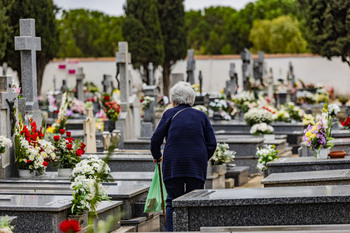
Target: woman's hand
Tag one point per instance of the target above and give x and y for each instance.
(159, 160)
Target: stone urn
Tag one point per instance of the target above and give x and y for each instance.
(322, 154)
(25, 173)
(219, 169)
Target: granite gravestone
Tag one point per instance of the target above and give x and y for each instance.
(107, 84)
(80, 76)
(28, 44)
(232, 84)
(246, 57)
(191, 66)
(292, 81)
(270, 85)
(8, 103)
(147, 125)
(150, 74)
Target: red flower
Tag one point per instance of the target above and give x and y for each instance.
(29, 161)
(69, 225)
(45, 163)
(56, 138)
(68, 133)
(92, 99)
(141, 100)
(41, 135)
(57, 111)
(70, 140)
(69, 146)
(82, 145)
(80, 152)
(107, 97)
(62, 131)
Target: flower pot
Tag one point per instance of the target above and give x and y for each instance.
(81, 219)
(64, 172)
(322, 153)
(219, 169)
(25, 173)
(337, 154)
(216, 116)
(269, 137)
(109, 125)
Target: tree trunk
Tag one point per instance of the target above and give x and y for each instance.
(41, 64)
(166, 77)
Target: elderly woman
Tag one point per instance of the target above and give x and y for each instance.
(190, 143)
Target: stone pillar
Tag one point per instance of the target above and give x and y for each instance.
(80, 85)
(246, 57)
(150, 74)
(191, 66)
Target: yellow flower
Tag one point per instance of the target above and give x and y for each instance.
(308, 134)
(314, 128)
(313, 136)
(50, 130)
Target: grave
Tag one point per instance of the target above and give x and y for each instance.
(147, 126)
(306, 164)
(246, 57)
(308, 178)
(232, 84)
(307, 205)
(28, 44)
(107, 84)
(238, 173)
(176, 77)
(44, 213)
(340, 144)
(191, 66)
(80, 76)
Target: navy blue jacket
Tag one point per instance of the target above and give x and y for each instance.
(190, 143)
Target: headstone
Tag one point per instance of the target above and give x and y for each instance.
(150, 74)
(232, 84)
(107, 84)
(191, 66)
(176, 77)
(90, 132)
(147, 126)
(64, 87)
(8, 103)
(80, 85)
(270, 91)
(246, 57)
(200, 79)
(28, 44)
(292, 81)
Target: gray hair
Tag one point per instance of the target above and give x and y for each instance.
(182, 93)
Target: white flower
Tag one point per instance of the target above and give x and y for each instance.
(333, 109)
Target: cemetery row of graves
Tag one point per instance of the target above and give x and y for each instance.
(81, 161)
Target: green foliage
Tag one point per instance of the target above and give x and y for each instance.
(280, 35)
(5, 26)
(141, 29)
(85, 33)
(328, 24)
(43, 11)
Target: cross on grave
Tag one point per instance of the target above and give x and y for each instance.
(270, 92)
(150, 74)
(258, 67)
(28, 44)
(232, 84)
(80, 76)
(200, 78)
(123, 59)
(107, 84)
(191, 66)
(245, 56)
(8, 103)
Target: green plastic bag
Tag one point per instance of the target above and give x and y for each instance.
(154, 197)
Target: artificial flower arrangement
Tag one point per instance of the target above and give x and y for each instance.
(258, 115)
(294, 112)
(281, 115)
(218, 105)
(90, 87)
(4, 143)
(5, 225)
(346, 123)
(146, 102)
(52, 103)
(322, 96)
(33, 152)
(244, 100)
(110, 107)
(222, 154)
(308, 119)
(77, 106)
(87, 178)
(60, 123)
(319, 136)
(266, 154)
(225, 116)
(162, 101)
(261, 129)
(68, 150)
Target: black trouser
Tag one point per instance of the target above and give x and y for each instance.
(175, 188)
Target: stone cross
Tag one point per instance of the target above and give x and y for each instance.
(54, 84)
(123, 59)
(64, 87)
(258, 67)
(28, 44)
(4, 68)
(80, 76)
(150, 74)
(107, 84)
(200, 78)
(191, 66)
(246, 56)
(292, 81)
(232, 84)
(270, 86)
(90, 131)
(8, 103)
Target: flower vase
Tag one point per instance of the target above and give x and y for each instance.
(219, 169)
(322, 153)
(25, 173)
(109, 125)
(216, 116)
(81, 219)
(269, 137)
(64, 172)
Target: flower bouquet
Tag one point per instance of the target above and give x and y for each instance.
(346, 123)
(68, 150)
(146, 102)
(4, 143)
(258, 115)
(87, 178)
(77, 106)
(162, 101)
(243, 100)
(222, 154)
(261, 129)
(281, 115)
(266, 154)
(218, 105)
(110, 107)
(294, 112)
(33, 153)
(60, 123)
(308, 119)
(201, 108)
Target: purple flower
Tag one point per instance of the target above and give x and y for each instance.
(69, 113)
(305, 138)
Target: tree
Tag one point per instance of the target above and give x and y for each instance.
(5, 27)
(280, 35)
(85, 33)
(172, 20)
(43, 11)
(328, 24)
(141, 29)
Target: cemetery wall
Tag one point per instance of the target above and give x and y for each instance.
(215, 70)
